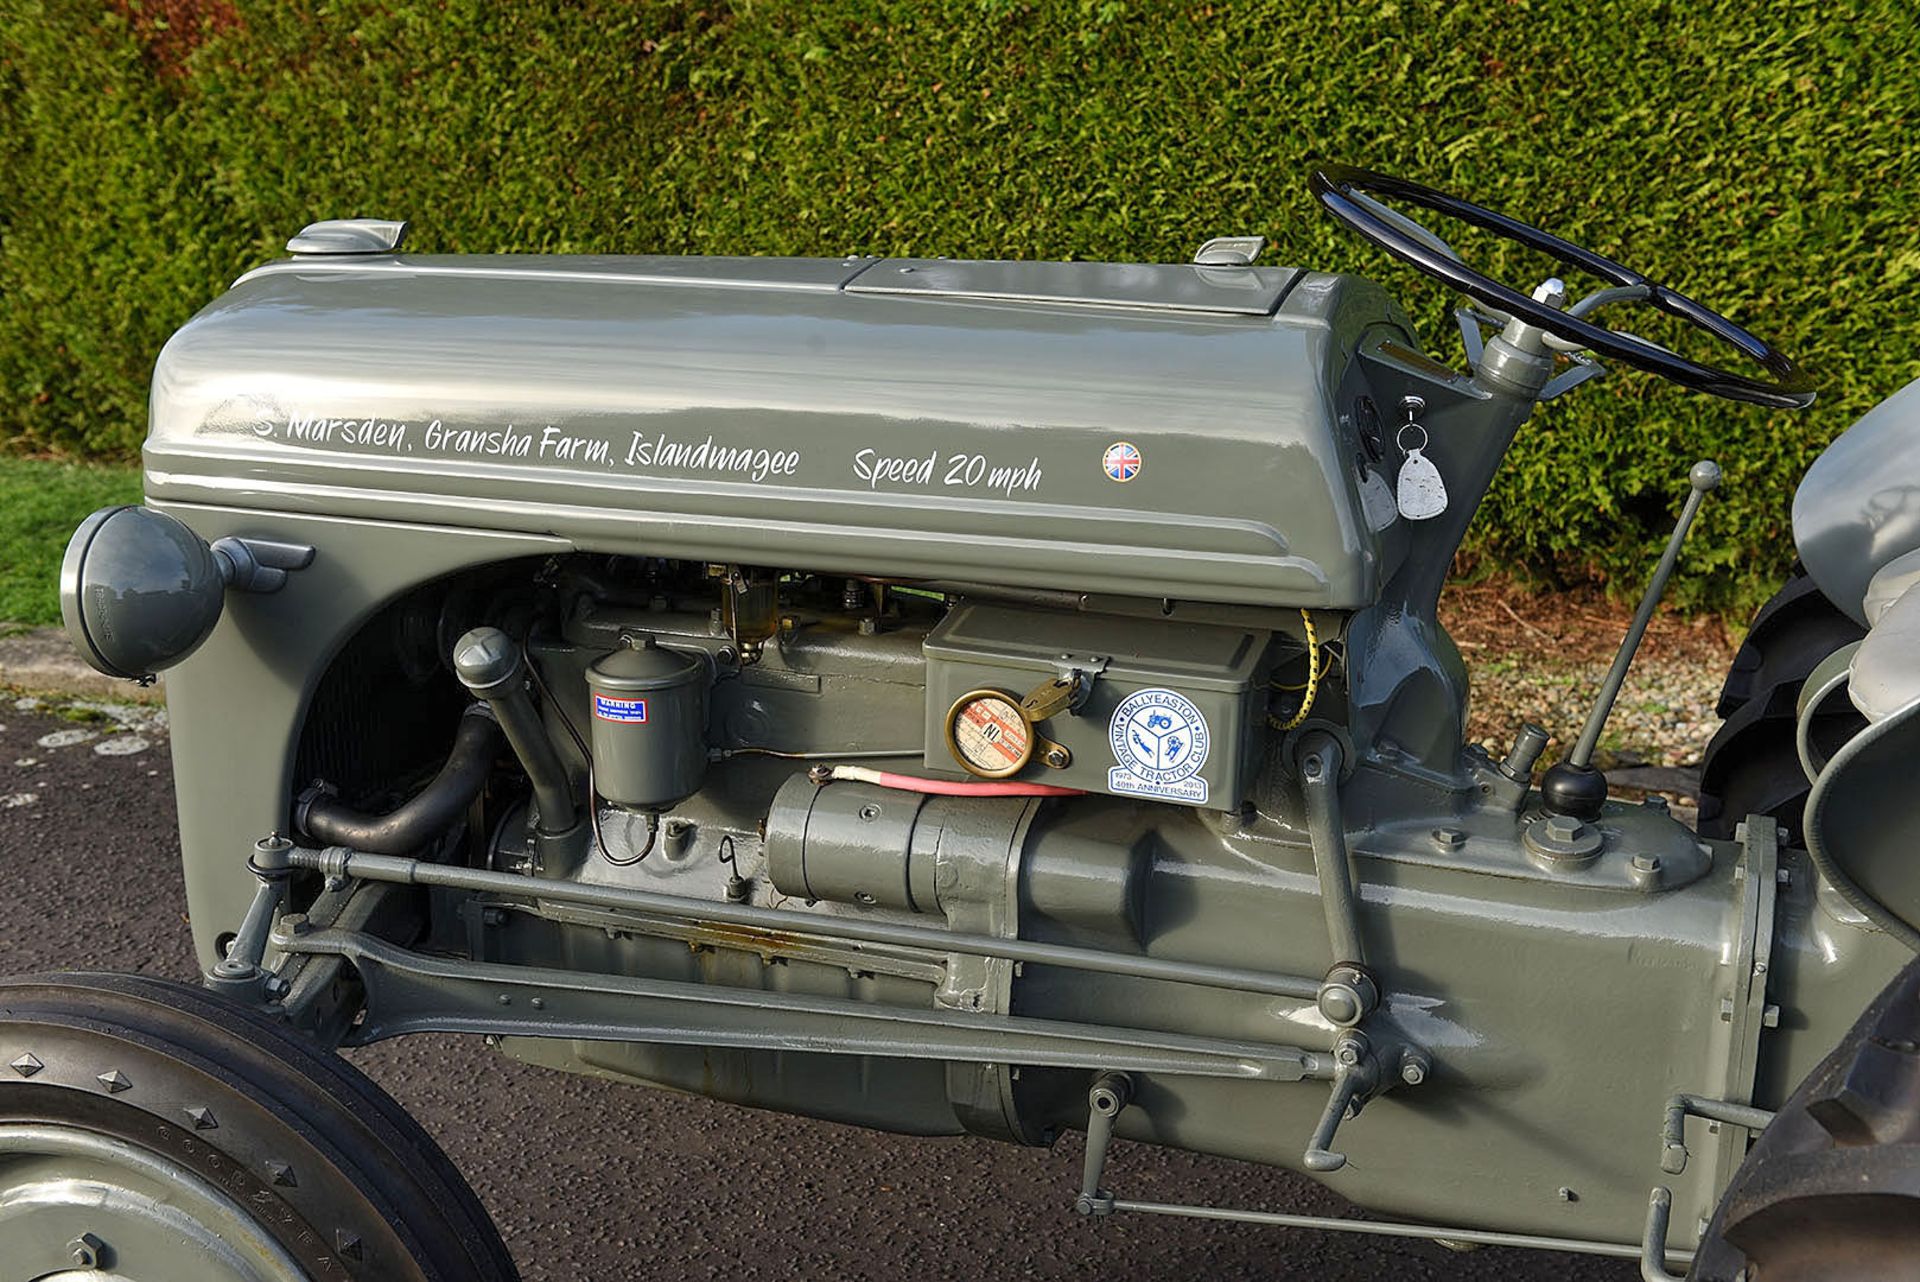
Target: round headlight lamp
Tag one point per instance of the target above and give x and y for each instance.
(139, 591)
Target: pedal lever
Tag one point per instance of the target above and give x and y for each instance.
(1356, 1073)
(1111, 1093)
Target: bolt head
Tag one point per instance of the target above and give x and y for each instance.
(1646, 863)
(1565, 827)
(1347, 1053)
(86, 1250)
(1412, 1073)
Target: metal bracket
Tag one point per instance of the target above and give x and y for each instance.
(1472, 337)
(1745, 1013)
(259, 565)
(1583, 368)
(1744, 1009)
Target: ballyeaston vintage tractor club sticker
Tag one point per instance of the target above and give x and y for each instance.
(1160, 740)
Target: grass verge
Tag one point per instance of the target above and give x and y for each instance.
(40, 503)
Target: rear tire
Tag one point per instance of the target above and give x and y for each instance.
(155, 1130)
(1832, 1187)
(1752, 765)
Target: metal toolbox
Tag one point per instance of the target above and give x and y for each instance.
(1164, 711)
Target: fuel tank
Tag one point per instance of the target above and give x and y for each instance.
(1157, 430)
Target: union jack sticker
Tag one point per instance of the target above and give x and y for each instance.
(1121, 461)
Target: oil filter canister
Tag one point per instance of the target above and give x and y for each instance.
(649, 724)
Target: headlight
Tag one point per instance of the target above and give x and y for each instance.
(139, 591)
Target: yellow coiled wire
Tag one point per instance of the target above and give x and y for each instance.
(1312, 686)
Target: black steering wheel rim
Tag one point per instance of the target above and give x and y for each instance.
(1336, 185)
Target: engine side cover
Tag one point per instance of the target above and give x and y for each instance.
(1156, 430)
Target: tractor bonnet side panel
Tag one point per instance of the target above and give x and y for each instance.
(1150, 430)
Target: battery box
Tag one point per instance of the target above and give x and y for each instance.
(1171, 711)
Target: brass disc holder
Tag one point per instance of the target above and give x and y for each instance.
(1054, 696)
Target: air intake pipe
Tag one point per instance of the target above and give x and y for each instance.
(493, 668)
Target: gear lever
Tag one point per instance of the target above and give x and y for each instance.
(1573, 786)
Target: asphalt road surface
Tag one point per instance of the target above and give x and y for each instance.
(589, 1179)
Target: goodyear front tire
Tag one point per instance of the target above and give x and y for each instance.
(154, 1130)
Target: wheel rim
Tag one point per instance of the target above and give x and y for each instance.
(76, 1204)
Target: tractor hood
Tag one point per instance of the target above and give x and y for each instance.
(1157, 430)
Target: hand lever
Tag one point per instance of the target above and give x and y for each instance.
(1574, 787)
(1355, 1075)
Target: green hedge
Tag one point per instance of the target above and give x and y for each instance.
(1760, 157)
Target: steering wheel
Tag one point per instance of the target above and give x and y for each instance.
(1347, 193)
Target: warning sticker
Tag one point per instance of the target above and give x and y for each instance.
(608, 708)
(1160, 740)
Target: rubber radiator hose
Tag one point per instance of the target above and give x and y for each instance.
(424, 816)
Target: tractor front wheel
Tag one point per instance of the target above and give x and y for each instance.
(157, 1131)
